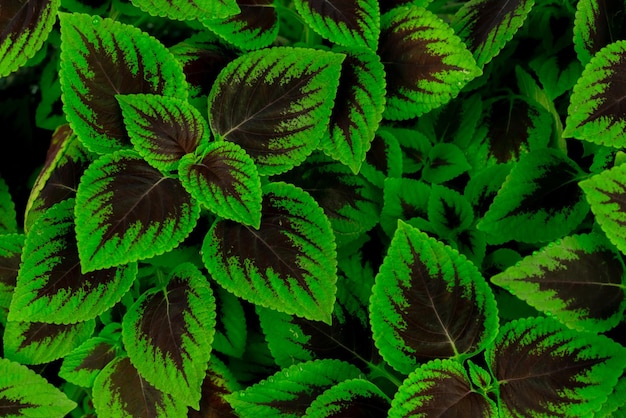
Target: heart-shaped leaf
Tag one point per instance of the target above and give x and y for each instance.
(188, 9)
(350, 398)
(101, 58)
(276, 104)
(429, 302)
(289, 264)
(129, 211)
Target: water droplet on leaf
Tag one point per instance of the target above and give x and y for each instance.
(96, 20)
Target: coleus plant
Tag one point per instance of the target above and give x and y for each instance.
(315, 208)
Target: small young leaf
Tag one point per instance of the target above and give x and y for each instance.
(350, 398)
(426, 64)
(8, 216)
(596, 110)
(126, 210)
(444, 162)
(162, 129)
(82, 365)
(276, 104)
(383, 160)
(225, 180)
(10, 258)
(24, 393)
(597, 24)
(544, 369)
(440, 388)
(101, 58)
(405, 199)
(288, 264)
(448, 211)
(428, 302)
(188, 9)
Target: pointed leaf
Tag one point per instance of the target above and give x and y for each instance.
(539, 201)
(351, 398)
(429, 302)
(544, 369)
(445, 162)
(597, 24)
(448, 211)
(224, 179)
(275, 103)
(24, 28)
(8, 216)
(348, 23)
(10, 257)
(101, 58)
(188, 9)
(440, 388)
(162, 129)
(129, 211)
(24, 393)
(404, 199)
(82, 365)
(120, 391)
(487, 25)
(426, 64)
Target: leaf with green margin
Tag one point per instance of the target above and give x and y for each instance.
(10, 258)
(162, 129)
(276, 104)
(126, 210)
(225, 180)
(120, 391)
(426, 64)
(405, 199)
(429, 302)
(578, 280)
(188, 9)
(606, 193)
(479, 376)
(555, 81)
(358, 108)
(415, 146)
(540, 200)
(444, 162)
(383, 160)
(545, 369)
(254, 27)
(8, 215)
(349, 23)
(597, 24)
(289, 392)
(350, 398)
(486, 26)
(449, 212)
(50, 286)
(84, 363)
(101, 58)
(440, 388)
(24, 393)
(173, 358)
(230, 329)
(218, 382)
(615, 405)
(596, 111)
(38, 342)
(288, 264)
(24, 28)
(483, 187)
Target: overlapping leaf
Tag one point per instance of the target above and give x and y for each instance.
(188, 9)
(25, 393)
(487, 25)
(24, 27)
(224, 179)
(129, 211)
(448, 211)
(426, 64)
(101, 58)
(348, 23)
(231, 328)
(8, 216)
(383, 160)
(597, 24)
(444, 162)
(217, 383)
(597, 110)
(404, 199)
(350, 398)
(50, 286)
(82, 365)
(544, 369)
(10, 257)
(288, 264)
(440, 388)
(168, 333)
(429, 302)
(276, 104)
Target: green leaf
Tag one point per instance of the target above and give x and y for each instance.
(224, 179)
(429, 302)
(579, 280)
(350, 398)
(8, 216)
(444, 162)
(348, 23)
(10, 257)
(544, 369)
(50, 286)
(276, 104)
(120, 391)
(217, 383)
(484, 186)
(102, 58)
(448, 211)
(162, 129)
(286, 339)
(539, 201)
(486, 26)
(38, 342)
(383, 160)
(83, 364)
(188, 9)
(231, 328)
(288, 264)
(426, 64)
(24, 393)
(596, 105)
(597, 24)
(24, 28)
(404, 199)
(126, 210)
(440, 388)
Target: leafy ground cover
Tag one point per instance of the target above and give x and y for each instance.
(312, 208)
